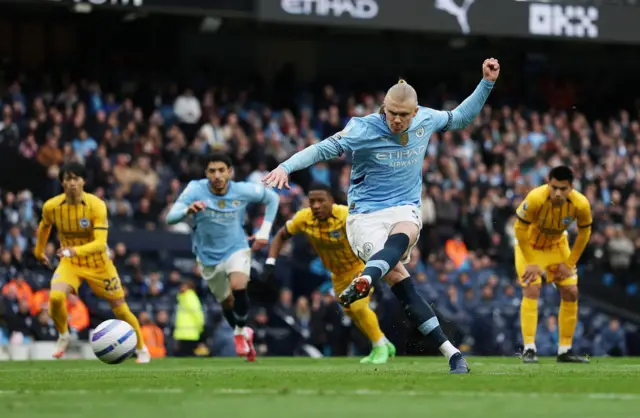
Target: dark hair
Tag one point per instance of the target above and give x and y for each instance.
(76, 169)
(322, 187)
(219, 157)
(561, 173)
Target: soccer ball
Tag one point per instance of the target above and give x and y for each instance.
(113, 341)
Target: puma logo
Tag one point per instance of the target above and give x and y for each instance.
(459, 12)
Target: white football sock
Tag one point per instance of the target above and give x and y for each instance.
(381, 342)
(563, 349)
(530, 347)
(448, 350)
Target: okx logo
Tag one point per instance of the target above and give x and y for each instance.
(569, 21)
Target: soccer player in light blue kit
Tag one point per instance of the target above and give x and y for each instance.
(384, 219)
(219, 241)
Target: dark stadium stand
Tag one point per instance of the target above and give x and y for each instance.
(142, 139)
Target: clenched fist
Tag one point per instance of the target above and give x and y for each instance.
(490, 69)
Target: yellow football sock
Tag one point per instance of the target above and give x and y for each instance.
(529, 320)
(567, 320)
(366, 320)
(58, 310)
(123, 313)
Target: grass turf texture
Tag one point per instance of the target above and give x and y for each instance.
(328, 388)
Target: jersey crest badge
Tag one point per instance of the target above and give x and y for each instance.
(335, 234)
(221, 204)
(404, 139)
(420, 132)
(235, 203)
(567, 220)
(84, 223)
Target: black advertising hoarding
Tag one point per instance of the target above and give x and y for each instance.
(197, 6)
(511, 18)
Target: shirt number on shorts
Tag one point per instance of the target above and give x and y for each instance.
(111, 284)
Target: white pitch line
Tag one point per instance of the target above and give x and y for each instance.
(333, 392)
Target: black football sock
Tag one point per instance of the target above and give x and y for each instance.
(384, 260)
(230, 317)
(418, 311)
(240, 307)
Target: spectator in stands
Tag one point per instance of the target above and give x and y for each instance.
(547, 337)
(78, 316)
(19, 321)
(39, 301)
(162, 321)
(153, 336)
(611, 341)
(189, 320)
(43, 328)
(473, 180)
(621, 251)
(18, 288)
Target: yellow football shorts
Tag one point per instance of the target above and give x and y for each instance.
(104, 282)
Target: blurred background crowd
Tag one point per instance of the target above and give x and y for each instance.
(143, 139)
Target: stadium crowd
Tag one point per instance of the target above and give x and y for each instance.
(139, 158)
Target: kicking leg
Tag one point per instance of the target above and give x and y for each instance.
(422, 315)
(396, 246)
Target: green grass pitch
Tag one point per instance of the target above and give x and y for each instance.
(327, 388)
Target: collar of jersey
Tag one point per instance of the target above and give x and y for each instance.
(83, 200)
(219, 196)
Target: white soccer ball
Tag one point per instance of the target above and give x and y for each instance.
(113, 341)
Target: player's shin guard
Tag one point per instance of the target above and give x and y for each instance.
(58, 311)
(240, 307)
(567, 320)
(529, 322)
(123, 313)
(381, 262)
(420, 313)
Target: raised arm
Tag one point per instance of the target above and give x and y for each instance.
(466, 112)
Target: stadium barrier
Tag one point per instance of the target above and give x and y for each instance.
(43, 350)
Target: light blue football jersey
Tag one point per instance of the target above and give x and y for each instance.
(218, 231)
(387, 168)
